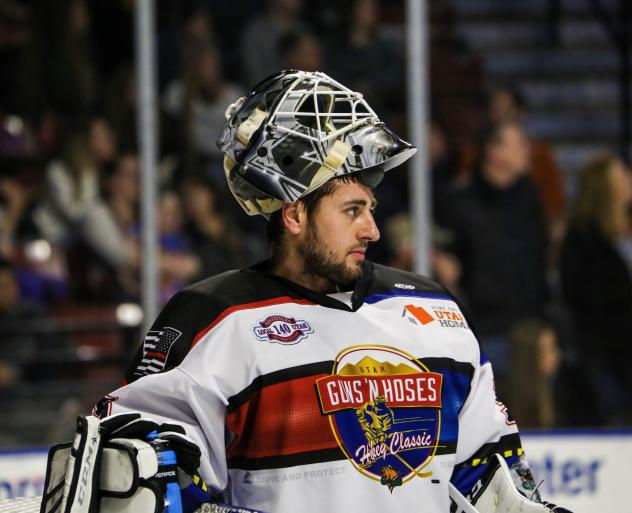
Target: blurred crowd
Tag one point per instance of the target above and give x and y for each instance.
(546, 278)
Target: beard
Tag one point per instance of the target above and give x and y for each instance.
(321, 262)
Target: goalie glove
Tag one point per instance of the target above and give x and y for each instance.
(121, 463)
(495, 492)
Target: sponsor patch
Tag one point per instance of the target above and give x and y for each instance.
(405, 286)
(444, 316)
(384, 409)
(282, 330)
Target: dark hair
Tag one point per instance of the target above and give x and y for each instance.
(275, 229)
(290, 41)
(489, 135)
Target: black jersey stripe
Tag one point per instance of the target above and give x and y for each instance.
(279, 376)
(291, 460)
(448, 364)
(509, 442)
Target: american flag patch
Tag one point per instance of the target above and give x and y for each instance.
(156, 347)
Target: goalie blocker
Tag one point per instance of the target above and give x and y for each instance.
(129, 464)
(123, 464)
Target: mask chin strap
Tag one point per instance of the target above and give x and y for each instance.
(234, 107)
(336, 156)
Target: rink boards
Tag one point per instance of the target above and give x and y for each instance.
(585, 471)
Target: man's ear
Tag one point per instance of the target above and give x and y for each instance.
(294, 217)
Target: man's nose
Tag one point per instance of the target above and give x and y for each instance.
(369, 231)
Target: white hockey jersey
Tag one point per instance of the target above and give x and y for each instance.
(303, 402)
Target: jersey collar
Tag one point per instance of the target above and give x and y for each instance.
(360, 287)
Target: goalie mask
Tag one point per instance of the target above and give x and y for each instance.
(297, 130)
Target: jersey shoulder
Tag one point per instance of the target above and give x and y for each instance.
(388, 279)
(225, 289)
(193, 312)
(233, 288)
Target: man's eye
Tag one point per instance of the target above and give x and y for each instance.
(353, 211)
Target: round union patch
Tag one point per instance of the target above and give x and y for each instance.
(281, 329)
(384, 409)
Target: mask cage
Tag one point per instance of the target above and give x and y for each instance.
(318, 102)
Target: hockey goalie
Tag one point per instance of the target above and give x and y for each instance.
(315, 381)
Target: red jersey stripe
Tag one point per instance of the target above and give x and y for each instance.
(280, 420)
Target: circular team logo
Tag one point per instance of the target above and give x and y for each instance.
(384, 409)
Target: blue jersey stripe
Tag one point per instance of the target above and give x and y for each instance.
(376, 298)
(455, 389)
(464, 478)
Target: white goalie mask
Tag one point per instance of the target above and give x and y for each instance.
(295, 131)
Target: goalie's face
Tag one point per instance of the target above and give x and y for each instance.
(333, 239)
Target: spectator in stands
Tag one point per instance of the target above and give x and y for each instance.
(399, 241)
(261, 38)
(507, 104)
(57, 70)
(121, 193)
(596, 271)
(213, 236)
(364, 59)
(444, 182)
(9, 294)
(196, 104)
(535, 360)
(197, 30)
(38, 267)
(9, 289)
(12, 204)
(120, 106)
(189, 28)
(72, 209)
(14, 312)
(301, 50)
(498, 234)
(178, 264)
(73, 178)
(121, 187)
(443, 167)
